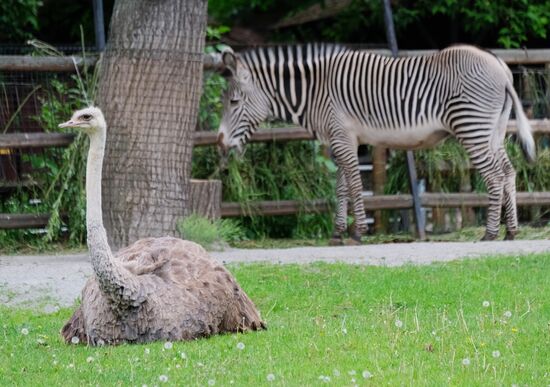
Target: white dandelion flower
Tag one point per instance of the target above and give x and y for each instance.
(75, 340)
(344, 331)
(324, 378)
(496, 353)
(24, 331)
(89, 359)
(466, 362)
(351, 373)
(486, 304)
(398, 323)
(240, 346)
(163, 378)
(336, 373)
(178, 366)
(147, 351)
(41, 341)
(168, 345)
(507, 314)
(183, 355)
(55, 362)
(211, 382)
(367, 374)
(270, 377)
(71, 365)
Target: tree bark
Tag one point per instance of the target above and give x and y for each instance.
(149, 90)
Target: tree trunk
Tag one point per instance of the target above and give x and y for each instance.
(150, 85)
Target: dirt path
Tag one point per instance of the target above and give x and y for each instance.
(53, 281)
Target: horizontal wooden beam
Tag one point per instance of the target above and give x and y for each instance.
(213, 61)
(44, 63)
(288, 207)
(13, 221)
(381, 202)
(298, 133)
(35, 140)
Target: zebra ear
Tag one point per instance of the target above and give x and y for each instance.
(230, 60)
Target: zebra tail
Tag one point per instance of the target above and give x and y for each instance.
(524, 128)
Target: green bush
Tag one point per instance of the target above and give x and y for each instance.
(210, 234)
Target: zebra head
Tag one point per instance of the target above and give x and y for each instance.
(245, 105)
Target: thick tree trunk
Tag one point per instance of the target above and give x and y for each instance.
(150, 85)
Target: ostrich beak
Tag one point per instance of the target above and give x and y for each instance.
(68, 124)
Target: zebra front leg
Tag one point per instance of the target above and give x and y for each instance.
(345, 154)
(340, 220)
(510, 208)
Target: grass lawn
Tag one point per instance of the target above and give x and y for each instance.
(476, 322)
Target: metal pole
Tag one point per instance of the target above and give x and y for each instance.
(99, 26)
(419, 218)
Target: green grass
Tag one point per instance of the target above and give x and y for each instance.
(328, 320)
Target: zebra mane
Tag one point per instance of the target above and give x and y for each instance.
(250, 54)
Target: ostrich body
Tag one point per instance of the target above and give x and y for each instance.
(157, 288)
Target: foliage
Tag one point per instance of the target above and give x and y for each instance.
(210, 234)
(435, 23)
(473, 322)
(17, 17)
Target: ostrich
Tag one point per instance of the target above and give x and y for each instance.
(157, 288)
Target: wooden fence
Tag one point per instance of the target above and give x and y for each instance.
(230, 209)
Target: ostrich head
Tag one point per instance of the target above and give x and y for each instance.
(89, 119)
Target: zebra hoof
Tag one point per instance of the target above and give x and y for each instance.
(355, 240)
(510, 235)
(336, 241)
(489, 237)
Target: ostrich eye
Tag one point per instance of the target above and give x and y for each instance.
(86, 117)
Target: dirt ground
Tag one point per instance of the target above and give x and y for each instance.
(48, 282)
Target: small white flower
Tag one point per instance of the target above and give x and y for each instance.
(55, 362)
(24, 331)
(367, 374)
(507, 314)
(144, 385)
(351, 373)
(71, 365)
(41, 341)
(183, 355)
(89, 359)
(353, 380)
(486, 304)
(168, 345)
(336, 373)
(344, 331)
(240, 346)
(211, 382)
(496, 353)
(398, 323)
(465, 361)
(178, 366)
(147, 351)
(324, 379)
(270, 377)
(75, 340)
(163, 378)
(199, 364)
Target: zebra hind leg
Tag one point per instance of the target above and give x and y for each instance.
(488, 165)
(340, 220)
(510, 208)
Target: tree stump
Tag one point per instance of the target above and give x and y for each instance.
(205, 198)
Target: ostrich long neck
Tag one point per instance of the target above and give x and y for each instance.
(115, 282)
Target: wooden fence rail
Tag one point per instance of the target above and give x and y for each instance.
(288, 207)
(213, 61)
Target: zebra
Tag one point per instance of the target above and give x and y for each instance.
(347, 97)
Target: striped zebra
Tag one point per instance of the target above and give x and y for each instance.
(349, 97)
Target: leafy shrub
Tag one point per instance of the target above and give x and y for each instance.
(210, 234)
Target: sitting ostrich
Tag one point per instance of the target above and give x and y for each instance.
(155, 289)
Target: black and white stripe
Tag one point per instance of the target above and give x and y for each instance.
(347, 97)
